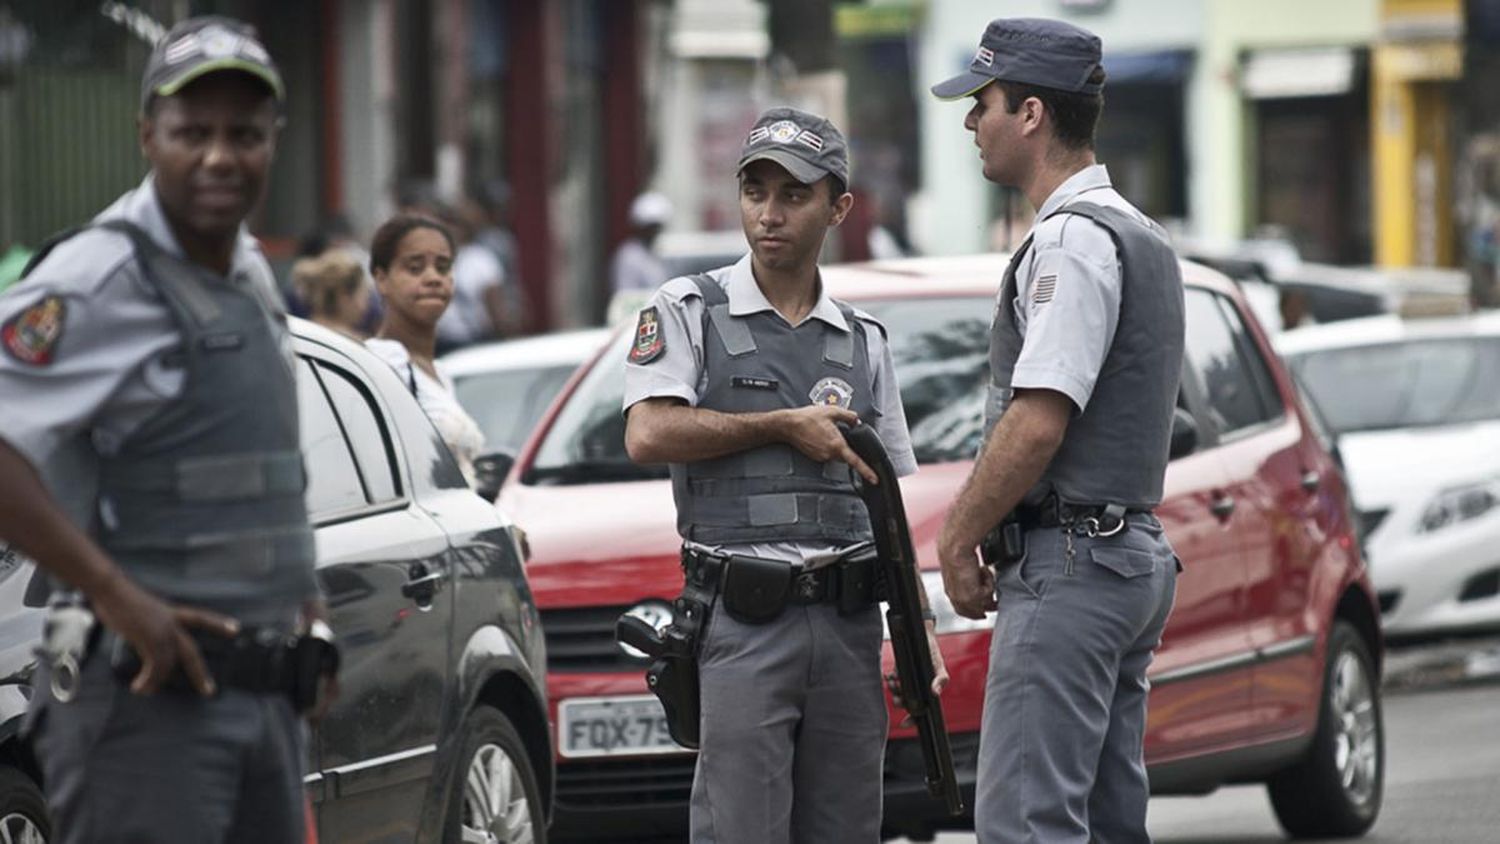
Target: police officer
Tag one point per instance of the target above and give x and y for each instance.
(739, 379)
(149, 460)
(1085, 354)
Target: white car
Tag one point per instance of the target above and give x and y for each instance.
(1415, 407)
(507, 386)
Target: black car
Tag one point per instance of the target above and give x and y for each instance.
(440, 729)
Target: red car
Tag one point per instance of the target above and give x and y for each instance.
(1269, 669)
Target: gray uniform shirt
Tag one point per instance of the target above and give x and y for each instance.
(678, 373)
(1067, 302)
(112, 365)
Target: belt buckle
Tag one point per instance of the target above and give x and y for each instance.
(807, 585)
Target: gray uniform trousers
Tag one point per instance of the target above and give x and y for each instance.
(171, 767)
(1061, 741)
(793, 729)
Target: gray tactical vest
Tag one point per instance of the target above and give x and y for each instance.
(774, 493)
(1115, 452)
(203, 504)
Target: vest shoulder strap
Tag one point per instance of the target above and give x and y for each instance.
(733, 333)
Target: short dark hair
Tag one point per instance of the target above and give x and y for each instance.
(1075, 116)
(836, 188)
(388, 237)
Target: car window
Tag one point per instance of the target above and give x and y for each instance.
(939, 346)
(332, 480)
(366, 431)
(1216, 356)
(1254, 361)
(1445, 381)
(508, 404)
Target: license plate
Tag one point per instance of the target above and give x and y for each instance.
(613, 726)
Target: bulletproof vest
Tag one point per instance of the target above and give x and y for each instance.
(758, 363)
(1115, 452)
(203, 503)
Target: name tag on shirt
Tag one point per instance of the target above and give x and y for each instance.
(750, 383)
(221, 342)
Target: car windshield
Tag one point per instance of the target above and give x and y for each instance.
(1404, 385)
(939, 346)
(507, 404)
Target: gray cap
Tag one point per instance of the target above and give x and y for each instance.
(203, 45)
(1033, 51)
(808, 146)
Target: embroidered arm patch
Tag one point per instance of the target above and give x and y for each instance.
(649, 344)
(1045, 289)
(31, 336)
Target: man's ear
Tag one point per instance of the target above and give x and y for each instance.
(144, 126)
(841, 208)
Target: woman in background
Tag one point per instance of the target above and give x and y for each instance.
(411, 258)
(334, 288)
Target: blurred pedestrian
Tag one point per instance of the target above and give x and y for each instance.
(150, 460)
(477, 312)
(1085, 352)
(635, 270)
(335, 289)
(411, 258)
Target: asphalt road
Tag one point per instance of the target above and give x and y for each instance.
(1442, 770)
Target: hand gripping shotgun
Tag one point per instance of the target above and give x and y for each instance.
(903, 615)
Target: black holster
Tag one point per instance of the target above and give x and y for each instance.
(1005, 544)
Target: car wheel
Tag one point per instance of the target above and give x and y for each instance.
(496, 799)
(1336, 790)
(23, 810)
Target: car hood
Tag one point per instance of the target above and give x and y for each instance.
(1388, 467)
(618, 543)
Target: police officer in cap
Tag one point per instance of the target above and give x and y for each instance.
(150, 461)
(739, 379)
(1085, 355)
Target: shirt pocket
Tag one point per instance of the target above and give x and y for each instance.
(1125, 562)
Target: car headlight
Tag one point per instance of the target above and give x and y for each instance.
(1461, 504)
(948, 619)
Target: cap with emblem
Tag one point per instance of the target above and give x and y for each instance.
(1033, 51)
(808, 146)
(203, 45)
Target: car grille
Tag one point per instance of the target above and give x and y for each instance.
(1369, 520)
(583, 639)
(1486, 584)
(628, 782)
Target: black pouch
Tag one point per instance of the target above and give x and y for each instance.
(856, 583)
(755, 591)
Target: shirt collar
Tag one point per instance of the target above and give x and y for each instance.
(1089, 178)
(746, 297)
(142, 207)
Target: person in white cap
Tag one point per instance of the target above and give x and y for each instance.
(635, 266)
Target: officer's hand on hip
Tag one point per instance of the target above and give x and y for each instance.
(814, 431)
(158, 632)
(970, 585)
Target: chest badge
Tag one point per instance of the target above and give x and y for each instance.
(31, 336)
(832, 391)
(648, 344)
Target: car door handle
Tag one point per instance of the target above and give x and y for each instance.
(423, 586)
(1222, 506)
(1310, 481)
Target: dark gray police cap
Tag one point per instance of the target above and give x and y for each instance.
(1034, 51)
(808, 146)
(203, 45)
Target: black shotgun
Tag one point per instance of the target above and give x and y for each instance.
(903, 615)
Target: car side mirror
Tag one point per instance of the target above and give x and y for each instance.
(490, 471)
(1184, 434)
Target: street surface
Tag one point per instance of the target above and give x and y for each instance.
(1442, 718)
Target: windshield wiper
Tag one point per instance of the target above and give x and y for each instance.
(593, 471)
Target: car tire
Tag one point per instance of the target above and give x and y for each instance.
(23, 810)
(1335, 791)
(495, 793)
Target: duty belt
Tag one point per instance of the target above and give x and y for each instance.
(827, 584)
(1088, 519)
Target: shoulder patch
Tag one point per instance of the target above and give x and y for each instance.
(31, 336)
(649, 343)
